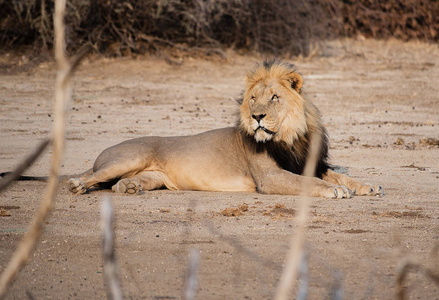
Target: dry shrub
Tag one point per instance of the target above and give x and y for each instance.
(403, 19)
(126, 27)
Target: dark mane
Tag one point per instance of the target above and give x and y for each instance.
(269, 63)
(291, 159)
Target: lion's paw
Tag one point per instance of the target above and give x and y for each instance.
(341, 192)
(337, 192)
(370, 190)
(77, 186)
(127, 186)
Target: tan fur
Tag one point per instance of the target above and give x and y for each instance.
(273, 110)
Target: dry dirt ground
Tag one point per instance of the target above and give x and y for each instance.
(379, 101)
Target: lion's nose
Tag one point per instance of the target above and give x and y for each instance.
(258, 117)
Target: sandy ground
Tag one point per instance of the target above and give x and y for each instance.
(378, 100)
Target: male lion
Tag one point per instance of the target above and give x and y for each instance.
(266, 152)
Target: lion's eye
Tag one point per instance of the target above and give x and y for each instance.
(253, 98)
(275, 97)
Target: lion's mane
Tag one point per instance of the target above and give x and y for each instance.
(290, 147)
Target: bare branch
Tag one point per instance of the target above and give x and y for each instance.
(336, 291)
(191, 280)
(14, 175)
(111, 272)
(302, 293)
(62, 97)
(234, 242)
(402, 272)
(295, 252)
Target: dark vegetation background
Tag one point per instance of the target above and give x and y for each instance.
(130, 27)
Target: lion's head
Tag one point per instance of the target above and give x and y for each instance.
(276, 115)
(273, 108)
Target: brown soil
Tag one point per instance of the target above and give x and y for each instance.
(380, 103)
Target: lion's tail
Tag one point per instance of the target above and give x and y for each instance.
(43, 178)
(23, 178)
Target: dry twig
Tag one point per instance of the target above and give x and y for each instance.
(302, 292)
(114, 290)
(295, 253)
(27, 162)
(336, 291)
(191, 280)
(62, 96)
(403, 271)
(235, 243)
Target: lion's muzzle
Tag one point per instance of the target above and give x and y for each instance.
(266, 130)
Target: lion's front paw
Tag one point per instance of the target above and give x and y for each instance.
(77, 186)
(341, 192)
(337, 192)
(370, 190)
(127, 186)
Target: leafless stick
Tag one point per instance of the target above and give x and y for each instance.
(234, 242)
(43, 26)
(404, 269)
(114, 290)
(336, 291)
(295, 252)
(14, 175)
(62, 96)
(75, 60)
(191, 280)
(302, 293)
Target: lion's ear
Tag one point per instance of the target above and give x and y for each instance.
(296, 81)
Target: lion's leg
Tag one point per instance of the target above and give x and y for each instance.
(287, 183)
(106, 173)
(146, 181)
(77, 185)
(357, 187)
(82, 184)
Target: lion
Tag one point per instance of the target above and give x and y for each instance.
(265, 152)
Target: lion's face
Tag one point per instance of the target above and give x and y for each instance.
(272, 107)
